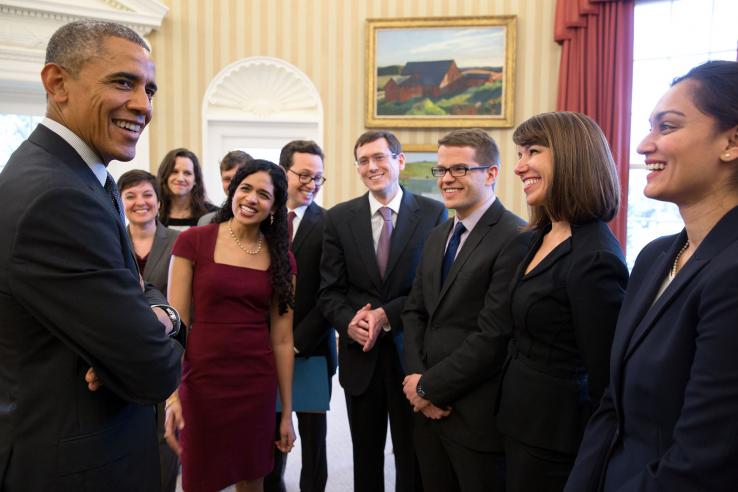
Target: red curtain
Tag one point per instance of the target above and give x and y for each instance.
(596, 37)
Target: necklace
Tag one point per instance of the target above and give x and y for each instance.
(674, 271)
(240, 244)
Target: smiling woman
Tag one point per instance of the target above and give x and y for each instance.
(182, 190)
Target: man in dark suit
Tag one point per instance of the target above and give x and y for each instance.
(313, 335)
(371, 248)
(453, 353)
(70, 292)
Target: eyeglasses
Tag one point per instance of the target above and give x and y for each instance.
(306, 178)
(378, 158)
(456, 171)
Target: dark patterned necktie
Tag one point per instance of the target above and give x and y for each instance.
(383, 245)
(112, 190)
(290, 224)
(453, 247)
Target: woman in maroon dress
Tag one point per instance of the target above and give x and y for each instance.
(236, 274)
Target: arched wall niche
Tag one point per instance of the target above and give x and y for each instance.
(257, 104)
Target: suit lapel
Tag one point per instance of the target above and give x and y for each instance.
(435, 252)
(360, 222)
(56, 145)
(309, 219)
(404, 229)
(157, 249)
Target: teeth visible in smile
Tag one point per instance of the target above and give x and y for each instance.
(376, 176)
(247, 210)
(656, 166)
(530, 181)
(451, 190)
(127, 125)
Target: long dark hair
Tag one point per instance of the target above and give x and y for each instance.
(275, 231)
(198, 202)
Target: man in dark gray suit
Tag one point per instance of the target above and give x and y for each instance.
(70, 293)
(371, 248)
(453, 353)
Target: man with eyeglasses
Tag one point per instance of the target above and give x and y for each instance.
(453, 354)
(371, 249)
(313, 335)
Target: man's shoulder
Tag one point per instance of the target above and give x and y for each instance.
(425, 203)
(347, 206)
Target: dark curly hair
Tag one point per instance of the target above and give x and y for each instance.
(275, 232)
(199, 205)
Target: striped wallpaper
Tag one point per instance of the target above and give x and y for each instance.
(325, 39)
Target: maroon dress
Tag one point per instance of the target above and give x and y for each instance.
(229, 379)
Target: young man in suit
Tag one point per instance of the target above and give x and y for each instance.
(371, 249)
(453, 353)
(70, 292)
(302, 161)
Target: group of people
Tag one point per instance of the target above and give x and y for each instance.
(504, 355)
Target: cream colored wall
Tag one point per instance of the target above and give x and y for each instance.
(325, 39)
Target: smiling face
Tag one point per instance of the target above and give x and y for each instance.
(140, 203)
(535, 169)
(108, 103)
(683, 150)
(253, 199)
(182, 178)
(381, 172)
(299, 194)
(464, 193)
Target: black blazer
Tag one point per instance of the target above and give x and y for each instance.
(450, 338)
(313, 334)
(350, 276)
(564, 313)
(156, 271)
(669, 419)
(70, 298)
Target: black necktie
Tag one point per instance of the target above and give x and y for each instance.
(291, 225)
(453, 247)
(112, 190)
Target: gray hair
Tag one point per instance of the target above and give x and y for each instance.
(73, 44)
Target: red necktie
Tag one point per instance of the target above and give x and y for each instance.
(290, 227)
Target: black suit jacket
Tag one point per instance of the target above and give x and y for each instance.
(313, 334)
(156, 271)
(564, 313)
(350, 276)
(70, 298)
(450, 337)
(668, 420)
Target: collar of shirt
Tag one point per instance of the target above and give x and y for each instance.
(394, 204)
(299, 214)
(85, 152)
(470, 222)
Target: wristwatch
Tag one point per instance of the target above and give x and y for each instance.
(173, 317)
(419, 389)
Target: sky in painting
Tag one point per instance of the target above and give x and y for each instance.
(468, 46)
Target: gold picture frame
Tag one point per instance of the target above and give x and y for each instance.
(440, 72)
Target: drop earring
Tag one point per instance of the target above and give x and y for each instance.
(271, 219)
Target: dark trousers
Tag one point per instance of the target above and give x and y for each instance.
(314, 472)
(447, 466)
(368, 413)
(168, 460)
(532, 469)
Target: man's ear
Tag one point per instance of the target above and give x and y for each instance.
(54, 78)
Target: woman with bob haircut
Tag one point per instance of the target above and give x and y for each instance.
(564, 298)
(668, 420)
(238, 274)
(182, 191)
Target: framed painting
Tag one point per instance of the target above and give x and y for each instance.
(440, 72)
(417, 177)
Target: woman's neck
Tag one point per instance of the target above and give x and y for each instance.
(701, 217)
(142, 231)
(180, 207)
(560, 229)
(243, 232)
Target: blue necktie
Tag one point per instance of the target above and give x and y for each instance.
(453, 247)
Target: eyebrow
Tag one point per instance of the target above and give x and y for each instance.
(658, 116)
(133, 78)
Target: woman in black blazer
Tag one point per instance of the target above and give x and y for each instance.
(564, 299)
(669, 419)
